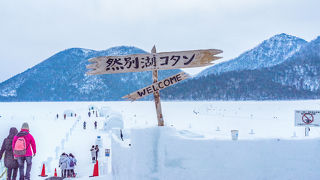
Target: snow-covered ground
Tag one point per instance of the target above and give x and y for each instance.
(267, 138)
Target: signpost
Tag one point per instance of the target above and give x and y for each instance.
(159, 85)
(307, 119)
(153, 62)
(107, 152)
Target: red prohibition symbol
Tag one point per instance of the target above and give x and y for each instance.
(307, 118)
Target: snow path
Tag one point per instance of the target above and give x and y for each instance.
(79, 144)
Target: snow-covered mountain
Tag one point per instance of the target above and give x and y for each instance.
(282, 67)
(302, 71)
(269, 53)
(62, 78)
(296, 77)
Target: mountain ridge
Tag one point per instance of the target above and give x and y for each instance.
(270, 52)
(284, 68)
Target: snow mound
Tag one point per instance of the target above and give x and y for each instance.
(114, 120)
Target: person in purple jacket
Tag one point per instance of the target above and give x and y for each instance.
(23, 154)
(9, 161)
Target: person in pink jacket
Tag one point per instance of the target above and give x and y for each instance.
(24, 147)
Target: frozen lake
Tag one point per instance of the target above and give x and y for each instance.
(254, 120)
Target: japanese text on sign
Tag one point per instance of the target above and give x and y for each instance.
(149, 62)
(114, 64)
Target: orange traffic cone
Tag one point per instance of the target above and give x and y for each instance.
(55, 172)
(43, 172)
(96, 169)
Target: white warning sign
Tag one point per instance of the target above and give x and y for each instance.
(307, 118)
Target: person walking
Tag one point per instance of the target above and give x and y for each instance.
(24, 146)
(84, 124)
(63, 164)
(93, 154)
(9, 162)
(121, 135)
(95, 124)
(72, 164)
(97, 151)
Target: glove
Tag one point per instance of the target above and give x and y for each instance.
(34, 155)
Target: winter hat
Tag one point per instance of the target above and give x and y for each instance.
(13, 131)
(25, 126)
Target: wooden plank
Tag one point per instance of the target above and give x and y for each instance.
(153, 61)
(156, 94)
(156, 86)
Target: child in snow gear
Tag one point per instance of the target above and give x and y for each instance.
(21, 145)
(72, 164)
(93, 154)
(9, 162)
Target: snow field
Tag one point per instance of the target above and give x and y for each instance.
(189, 147)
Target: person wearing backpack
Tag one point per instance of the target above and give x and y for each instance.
(72, 164)
(10, 163)
(24, 146)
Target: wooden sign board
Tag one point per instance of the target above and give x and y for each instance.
(153, 61)
(169, 81)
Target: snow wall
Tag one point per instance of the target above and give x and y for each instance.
(164, 153)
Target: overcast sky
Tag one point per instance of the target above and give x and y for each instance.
(33, 30)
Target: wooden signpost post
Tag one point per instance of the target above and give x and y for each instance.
(153, 62)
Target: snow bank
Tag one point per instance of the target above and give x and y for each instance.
(114, 120)
(164, 153)
(105, 111)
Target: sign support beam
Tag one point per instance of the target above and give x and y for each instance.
(156, 94)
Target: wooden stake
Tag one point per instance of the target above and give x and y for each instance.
(156, 94)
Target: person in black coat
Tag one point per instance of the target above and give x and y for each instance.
(9, 161)
(97, 151)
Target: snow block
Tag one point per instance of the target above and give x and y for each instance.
(163, 153)
(114, 120)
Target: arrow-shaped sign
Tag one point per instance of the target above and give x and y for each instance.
(154, 61)
(169, 81)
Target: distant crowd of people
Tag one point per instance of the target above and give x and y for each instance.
(65, 115)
